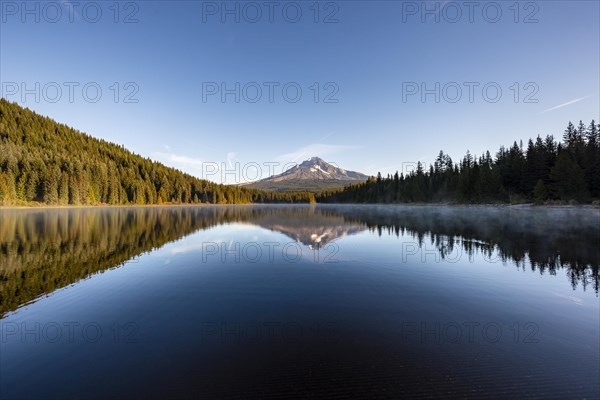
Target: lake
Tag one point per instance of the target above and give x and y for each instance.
(300, 301)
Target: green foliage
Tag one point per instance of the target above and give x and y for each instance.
(303, 185)
(540, 192)
(42, 161)
(546, 170)
(567, 178)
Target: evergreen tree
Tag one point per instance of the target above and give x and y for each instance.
(540, 192)
(43, 161)
(546, 170)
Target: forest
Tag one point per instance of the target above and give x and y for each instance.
(545, 172)
(44, 162)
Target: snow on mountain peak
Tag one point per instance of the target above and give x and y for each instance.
(314, 172)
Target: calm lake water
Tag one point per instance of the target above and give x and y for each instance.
(307, 301)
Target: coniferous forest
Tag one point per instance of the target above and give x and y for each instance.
(544, 172)
(42, 161)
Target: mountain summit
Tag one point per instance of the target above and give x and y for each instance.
(313, 175)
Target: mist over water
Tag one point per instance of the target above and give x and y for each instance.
(253, 301)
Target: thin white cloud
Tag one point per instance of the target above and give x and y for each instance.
(231, 158)
(568, 103)
(201, 168)
(314, 150)
(180, 160)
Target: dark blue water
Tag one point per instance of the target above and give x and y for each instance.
(303, 301)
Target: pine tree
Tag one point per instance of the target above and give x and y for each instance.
(568, 181)
(63, 191)
(540, 192)
(593, 135)
(569, 136)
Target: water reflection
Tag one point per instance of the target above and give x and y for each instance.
(42, 250)
(314, 227)
(547, 238)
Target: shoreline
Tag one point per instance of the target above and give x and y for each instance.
(520, 205)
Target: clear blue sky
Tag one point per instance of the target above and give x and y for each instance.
(370, 56)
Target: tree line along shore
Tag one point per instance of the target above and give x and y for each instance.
(45, 163)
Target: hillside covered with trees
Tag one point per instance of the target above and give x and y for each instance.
(42, 161)
(544, 171)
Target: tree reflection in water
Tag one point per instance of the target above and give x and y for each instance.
(45, 249)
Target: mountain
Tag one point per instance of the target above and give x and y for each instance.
(311, 175)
